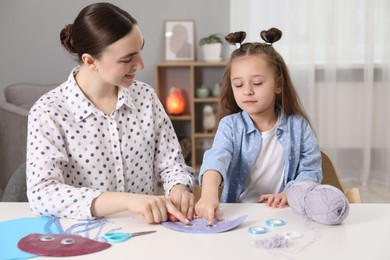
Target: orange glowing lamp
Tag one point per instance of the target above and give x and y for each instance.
(175, 103)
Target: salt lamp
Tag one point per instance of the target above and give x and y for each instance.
(175, 102)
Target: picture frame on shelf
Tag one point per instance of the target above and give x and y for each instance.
(179, 39)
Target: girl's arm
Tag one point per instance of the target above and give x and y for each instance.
(208, 204)
(309, 165)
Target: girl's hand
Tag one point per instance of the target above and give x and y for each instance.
(208, 208)
(154, 209)
(275, 200)
(184, 201)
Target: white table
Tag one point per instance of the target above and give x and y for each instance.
(363, 235)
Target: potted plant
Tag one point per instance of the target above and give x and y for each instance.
(211, 47)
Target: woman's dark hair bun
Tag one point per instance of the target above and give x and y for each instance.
(271, 35)
(236, 37)
(66, 38)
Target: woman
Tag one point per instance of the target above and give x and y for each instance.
(99, 143)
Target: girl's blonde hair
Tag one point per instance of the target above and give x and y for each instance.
(288, 100)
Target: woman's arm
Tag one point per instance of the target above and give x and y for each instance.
(169, 164)
(154, 209)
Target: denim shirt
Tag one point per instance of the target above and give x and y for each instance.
(238, 142)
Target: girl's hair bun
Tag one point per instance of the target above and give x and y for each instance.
(271, 35)
(236, 37)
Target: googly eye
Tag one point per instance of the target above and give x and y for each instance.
(68, 241)
(47, 238)
(210, 225)
(189, 224)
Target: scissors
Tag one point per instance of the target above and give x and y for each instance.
(115, 237)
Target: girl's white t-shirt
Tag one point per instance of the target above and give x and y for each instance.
(266, 176)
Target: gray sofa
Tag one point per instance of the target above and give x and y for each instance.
(13, 125)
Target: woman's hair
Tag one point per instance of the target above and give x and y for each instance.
(96, 26)
(287, 100)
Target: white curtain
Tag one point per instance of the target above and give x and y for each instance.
(338, 53)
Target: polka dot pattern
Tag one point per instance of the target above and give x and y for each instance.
(75, 151)
(237, 143)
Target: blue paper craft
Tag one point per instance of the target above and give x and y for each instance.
(200, 226)
(12, 231)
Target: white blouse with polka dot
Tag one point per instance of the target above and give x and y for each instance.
(75, 152)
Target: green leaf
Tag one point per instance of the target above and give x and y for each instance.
(213, 38)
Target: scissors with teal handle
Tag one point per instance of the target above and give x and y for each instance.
(116, 237)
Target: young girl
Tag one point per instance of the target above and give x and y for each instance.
(264, 142)
(98, 143)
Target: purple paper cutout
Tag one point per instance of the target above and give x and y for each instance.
(200, 226)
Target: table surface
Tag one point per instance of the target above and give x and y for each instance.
(363, 235)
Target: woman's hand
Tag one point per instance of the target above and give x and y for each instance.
(275, 200)
(208, 208)
(183, 199)
(155, 209)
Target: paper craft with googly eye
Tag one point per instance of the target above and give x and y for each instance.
(200, 226)
(60, 245)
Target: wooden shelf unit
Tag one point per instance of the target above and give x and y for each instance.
(188, 76)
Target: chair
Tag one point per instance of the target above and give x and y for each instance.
(16, 188)
(19, 98)
(331, 177)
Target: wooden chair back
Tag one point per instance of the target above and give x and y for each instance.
(331, 177)
(329, 173)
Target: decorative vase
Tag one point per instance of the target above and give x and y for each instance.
(217, 90)
(202, 92)
(212, 51)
